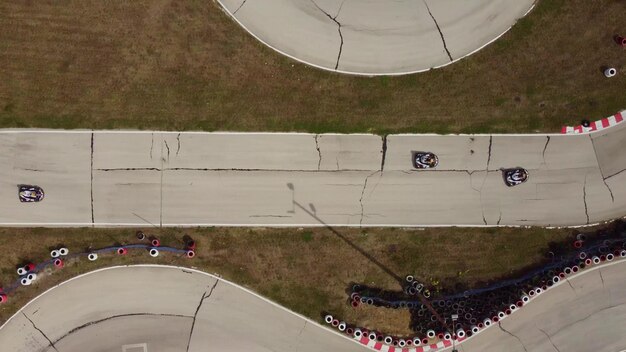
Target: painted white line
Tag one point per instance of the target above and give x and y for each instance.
(216, 277)
(225, 9)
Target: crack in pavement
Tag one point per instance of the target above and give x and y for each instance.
(610, 190)
(240, 6)
(334, 19)
(601, 278)
(550, 339)
(92, 216)
(178, 141)
(543, 154)
(508, 332)
(168, 150)
(206, 295)
(362, 194)
(384, 151)
(319, 152)
(161, 189)
(583, 319)
(151, 144)
(585, 199)
(51, 344)
(615, 174)
(118, 316)
(443, 39)
(572, 287)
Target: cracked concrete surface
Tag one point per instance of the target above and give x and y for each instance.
(253, 179)
(159, 306)
(569, 317)
(376, 36)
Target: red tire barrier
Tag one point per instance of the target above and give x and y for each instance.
(578, 244)
(355, 303)
(575, 268)
(508, 312)
(3, 298)
(495, 319)
(335, 322)
(29, 267)
(620, 40)
(588, 261)
(519, 304)
(440, 335)
(58, 263)
(349, 331)
(191, 244)
(155, 242)
(602, 258)
(122, 251)
(190, 254)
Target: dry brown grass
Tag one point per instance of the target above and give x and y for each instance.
(306, 270)
(182, 65)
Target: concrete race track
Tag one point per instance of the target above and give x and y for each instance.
(164, 309)
(584, 313)
(372, 37)
(152, 308)
(193, 179)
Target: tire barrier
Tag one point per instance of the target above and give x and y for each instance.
(480, 308)
(620, 40)
(28, 273)
(155, 242)
(610, 72)
(140, 235)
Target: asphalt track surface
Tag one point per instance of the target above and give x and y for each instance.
(155, 308)
(164, 309)
(117, 178)
(377, 37)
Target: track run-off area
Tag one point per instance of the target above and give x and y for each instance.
(158, 308)
(137, 178)
(377, 37)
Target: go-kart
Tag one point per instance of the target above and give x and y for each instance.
(515, 176)
(424, 160)
(29, 194)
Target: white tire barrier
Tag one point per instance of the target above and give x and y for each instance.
(460, 333)
(538, 291)
(358, 333)
(401, 343)
(431, 334)
(92, 256)
(556, 279)
(342, 326)
(417, 341)
(596, 260)
(610, 72)
(64, 251)
(388, 340)
(447, 336)
(610, 257)
(372, 336)
(25, 281)
(21, 271)
(525, 299)
(54, 253)
(567, 270)
(31, 276)
(190, 254)
(623, 253)
(328, 319)
(409, 278)
(501, 315)
(475, 329)
(154, 252)
(487, 322)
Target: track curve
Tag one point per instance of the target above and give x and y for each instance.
(377, 37)
(159, 308)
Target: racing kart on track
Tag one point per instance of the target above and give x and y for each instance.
(424, 160)
(515, 176)
(30, 194)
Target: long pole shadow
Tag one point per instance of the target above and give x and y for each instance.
(352, 244)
